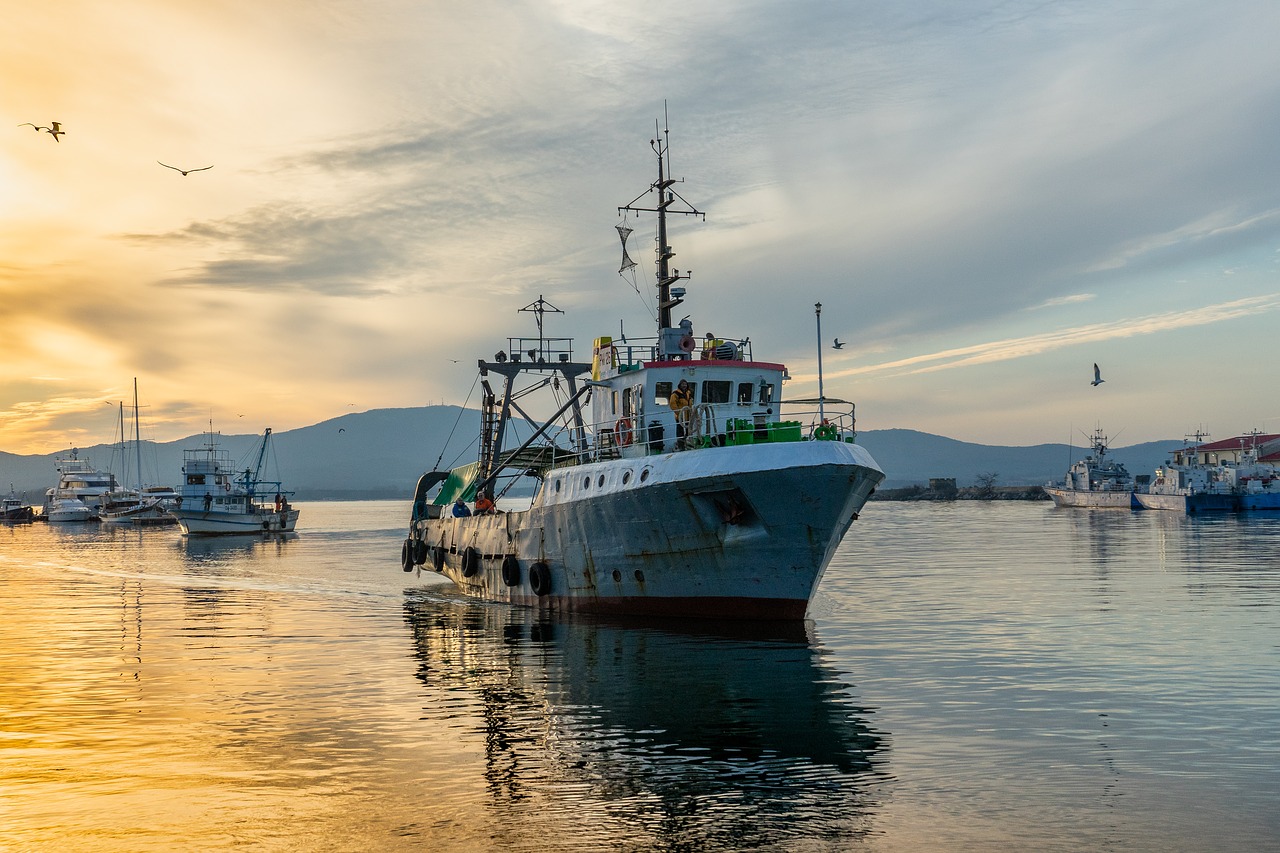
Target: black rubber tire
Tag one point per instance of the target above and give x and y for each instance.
(406, 555)
(511, 570)
(470, 563)
(540, 578)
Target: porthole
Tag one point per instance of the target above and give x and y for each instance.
(600, 482)
(644, 475)
(586, 483)
(617, 576)
(639, 576)
(557, 485)
(626, 477)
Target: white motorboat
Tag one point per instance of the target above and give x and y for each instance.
(647, 502)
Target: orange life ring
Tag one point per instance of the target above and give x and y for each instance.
(622, 429)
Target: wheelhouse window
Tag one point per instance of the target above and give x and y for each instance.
(716, 391)
(195, 479)
(745, 392)
(661, 392)
(766, 394)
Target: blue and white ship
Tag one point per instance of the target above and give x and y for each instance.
(724, 509)
(215, 498)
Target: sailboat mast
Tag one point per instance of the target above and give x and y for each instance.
(137, 437)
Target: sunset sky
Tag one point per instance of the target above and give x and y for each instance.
(986, 197)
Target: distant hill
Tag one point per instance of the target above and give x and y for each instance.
(381, 453)
(912, 458)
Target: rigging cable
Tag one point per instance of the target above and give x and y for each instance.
(445, 446)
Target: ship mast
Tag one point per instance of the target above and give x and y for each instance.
(668, 297)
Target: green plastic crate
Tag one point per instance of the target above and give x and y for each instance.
(784, 431)
(740, 431)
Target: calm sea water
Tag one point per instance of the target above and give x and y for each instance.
(974, 677)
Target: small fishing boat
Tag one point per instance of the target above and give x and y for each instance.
(215, 498)
(15, 509)
(1095, 481)
(668, 481)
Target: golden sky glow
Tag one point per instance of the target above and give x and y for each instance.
(392, 180)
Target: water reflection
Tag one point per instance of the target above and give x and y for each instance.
(664, 737)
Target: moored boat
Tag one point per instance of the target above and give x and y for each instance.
(1250, 466)
(78, 495)
(1095, 481)
(15, 509)
(1188, 484)
(667, 481)
(139, 504)
(216, 499)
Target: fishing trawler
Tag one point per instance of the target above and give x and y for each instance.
(15, 509)
(667, 482)
(1095, 481)
(214, 498)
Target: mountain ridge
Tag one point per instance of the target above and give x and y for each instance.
(381, 453)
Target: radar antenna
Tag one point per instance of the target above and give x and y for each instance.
(666, 198)
(539, 307)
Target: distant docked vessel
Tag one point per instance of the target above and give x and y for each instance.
(15, 509)
(138, 504)
(678, 490)
(1234, 474)
(215, 499)
(78, 495)
(1095, 481)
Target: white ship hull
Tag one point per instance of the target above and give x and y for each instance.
(200, 523)
(69, 511)
(1091, 499)
(149, 513)
(732, 532)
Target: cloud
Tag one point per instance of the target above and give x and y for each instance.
(1057, 301)
(1013, 348)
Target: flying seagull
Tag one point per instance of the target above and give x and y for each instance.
(838, 344)
(184, 172)
(55, 130)
(1097, 376)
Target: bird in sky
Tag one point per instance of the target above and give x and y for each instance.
(1097, 376)
(184, 172)
(55, 130)
(839, 344)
